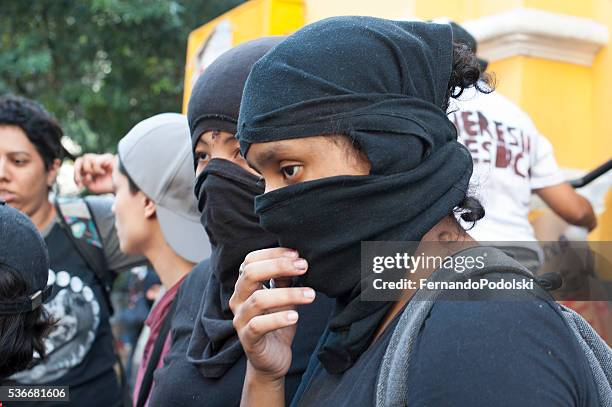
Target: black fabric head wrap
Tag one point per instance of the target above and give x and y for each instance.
(215, 98)
(225, 195)
(382, 83)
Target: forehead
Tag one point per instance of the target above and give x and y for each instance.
(215, 136)
(259, 153)
(14, 139)
(302, 146)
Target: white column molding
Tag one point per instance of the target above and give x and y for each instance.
(538, 33)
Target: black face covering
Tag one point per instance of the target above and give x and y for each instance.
(325, 221)
(225, 195)
(383, 84)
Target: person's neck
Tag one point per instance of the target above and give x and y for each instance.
(169, 266)
(43, 216)
(445, 231)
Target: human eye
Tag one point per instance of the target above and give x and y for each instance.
(291, 172)
(202, 156)
(20, 161)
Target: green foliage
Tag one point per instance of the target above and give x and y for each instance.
(102, 65)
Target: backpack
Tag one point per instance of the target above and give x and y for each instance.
(392, 386)
(76, 219)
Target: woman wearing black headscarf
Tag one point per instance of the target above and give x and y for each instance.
(346, 121)
(206, 363)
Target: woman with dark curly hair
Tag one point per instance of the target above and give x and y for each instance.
(23, 288)
(84, 257)
(346, 121)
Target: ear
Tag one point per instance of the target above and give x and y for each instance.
(150, 208)
(53, 171)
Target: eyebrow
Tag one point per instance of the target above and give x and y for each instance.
(226, 140)
(267, 156)
(229, 139)
(19, 152)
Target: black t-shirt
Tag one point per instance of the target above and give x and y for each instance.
(80, 347)
(80, 351)
(356, 387)
(179, 382)
(471, 353)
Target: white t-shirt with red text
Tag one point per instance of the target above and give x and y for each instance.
(511, 158)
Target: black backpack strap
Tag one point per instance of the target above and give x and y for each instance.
(91, 251)
(89, 245)
(499, 261)
(397, 357)
(147, 379)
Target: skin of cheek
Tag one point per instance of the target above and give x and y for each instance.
(129, 218)
(28, 182)
(217, 147)
(31, 188)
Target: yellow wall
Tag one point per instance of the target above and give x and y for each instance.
(458, 10)
(320, 9)
(461, 10)
(253, 19)
(508, 75)
(578, 8)
(558, 97)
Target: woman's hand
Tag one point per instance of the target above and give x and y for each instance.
(94, 172)
(265, 319)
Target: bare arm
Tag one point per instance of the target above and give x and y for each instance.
(569, 205)
(265, 321)
(260, 390)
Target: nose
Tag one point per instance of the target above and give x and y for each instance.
(271, 186)
(4, 172)
(221, 153)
